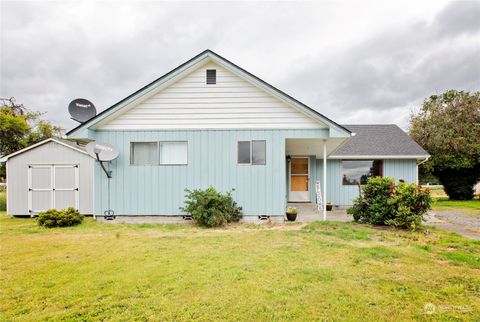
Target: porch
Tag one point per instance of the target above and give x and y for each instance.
(307, 212)
(306, 176)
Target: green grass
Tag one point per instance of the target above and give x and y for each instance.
(468, 207)
(460, 204)
(321, 271)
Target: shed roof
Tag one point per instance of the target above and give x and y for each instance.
(68, 143)
(379, 140)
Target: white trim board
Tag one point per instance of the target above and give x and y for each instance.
(5, 158)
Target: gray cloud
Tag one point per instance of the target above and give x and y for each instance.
(349, 62)
(397, 67)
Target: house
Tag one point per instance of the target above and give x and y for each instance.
(209, 122)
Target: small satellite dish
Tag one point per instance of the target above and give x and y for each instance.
(81, 110)
(105, 151)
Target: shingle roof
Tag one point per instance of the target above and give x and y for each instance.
(380, 140)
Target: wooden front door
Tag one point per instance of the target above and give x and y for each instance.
(299, 180)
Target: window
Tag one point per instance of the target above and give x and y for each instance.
(244, 152)
(211, 76)
(144, 153)
(173, 153)
(358, 171)
(155, 153)
(252, 152)
(258, 152)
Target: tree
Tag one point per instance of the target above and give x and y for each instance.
(448, 127)
(20, 128)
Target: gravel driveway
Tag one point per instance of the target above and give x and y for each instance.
(456, 220)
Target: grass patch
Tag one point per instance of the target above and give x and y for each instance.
(470, 259)
(461, 204)
(323, 271)
(342, 231)
(379, 253)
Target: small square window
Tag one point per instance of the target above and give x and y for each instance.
(173, 153)
(144, 153)
(252, 152)
(211, 76)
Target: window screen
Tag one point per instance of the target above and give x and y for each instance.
(258, 152)
(144, 153)
(244, 152)
(173, 153)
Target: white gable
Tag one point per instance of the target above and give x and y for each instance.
(231, 103)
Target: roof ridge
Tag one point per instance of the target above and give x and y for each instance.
(210, 53)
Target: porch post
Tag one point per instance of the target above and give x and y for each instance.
(324, 179)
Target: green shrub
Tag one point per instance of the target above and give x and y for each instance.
(211, 208)
(59, 218)
(381, 202)
(3, 201)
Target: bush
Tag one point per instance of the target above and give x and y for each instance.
(210, 208)
(59, 218)
(458, 184)
(3, 201)
(381, 202)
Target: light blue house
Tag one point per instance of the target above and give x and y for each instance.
(209, 122)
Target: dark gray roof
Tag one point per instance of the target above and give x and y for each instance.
(380, 140)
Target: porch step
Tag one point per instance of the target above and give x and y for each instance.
(304, 208)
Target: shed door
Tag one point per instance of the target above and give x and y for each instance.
(52, 186)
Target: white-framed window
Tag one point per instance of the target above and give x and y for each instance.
(144, 153)
(159, 153)
(173, 153)
(252, 152)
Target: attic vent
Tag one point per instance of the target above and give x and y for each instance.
(211, 76)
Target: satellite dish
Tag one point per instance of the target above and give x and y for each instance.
(81, 110)
(105, 151)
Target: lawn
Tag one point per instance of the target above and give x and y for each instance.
(466, 207)
(459, 204)
(335, 271)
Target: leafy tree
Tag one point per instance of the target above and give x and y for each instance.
(20, 128)
(448, 127)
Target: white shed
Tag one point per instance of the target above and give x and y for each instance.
(54, 173)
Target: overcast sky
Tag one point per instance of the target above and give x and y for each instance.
(359, 62)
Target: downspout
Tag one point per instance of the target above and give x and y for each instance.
(422, 162)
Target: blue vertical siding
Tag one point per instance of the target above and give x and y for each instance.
(343, 195)
(212, 161)
(401, 169)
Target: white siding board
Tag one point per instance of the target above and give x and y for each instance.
(231, 103)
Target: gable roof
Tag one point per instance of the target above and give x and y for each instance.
(386, 141)
(209, 55)
(66, 143)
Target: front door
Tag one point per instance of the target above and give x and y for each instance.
(299, 178)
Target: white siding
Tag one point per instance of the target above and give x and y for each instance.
(231, 103)
(48, 153)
